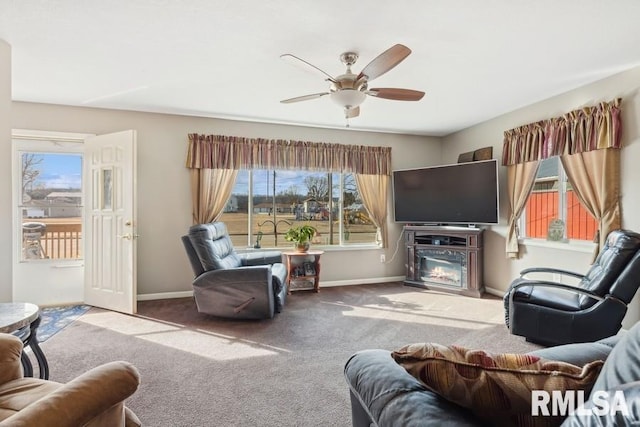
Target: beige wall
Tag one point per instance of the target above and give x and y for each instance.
(499, 271)
(5, 166)
(164, 201)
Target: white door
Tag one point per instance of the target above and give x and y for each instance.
(110, 226)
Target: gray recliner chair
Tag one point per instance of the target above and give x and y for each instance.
(232, 285)
(552, 313)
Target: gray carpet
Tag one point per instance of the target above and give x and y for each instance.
(201, 371)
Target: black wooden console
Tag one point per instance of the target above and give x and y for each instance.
(445, 258)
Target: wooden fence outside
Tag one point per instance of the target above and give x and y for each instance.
(59, 241)
(542, 208)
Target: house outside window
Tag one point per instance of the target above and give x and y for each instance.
(265, 203)
(553, 198)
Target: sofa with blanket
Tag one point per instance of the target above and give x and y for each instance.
(384, 393)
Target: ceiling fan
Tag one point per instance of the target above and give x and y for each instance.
(349, 90)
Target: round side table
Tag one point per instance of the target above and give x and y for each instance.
(22, 320)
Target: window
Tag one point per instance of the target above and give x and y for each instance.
(553, 198)
(265, 203)
(50, 207)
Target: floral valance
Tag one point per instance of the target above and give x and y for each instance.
(586, 129)
(232, 152)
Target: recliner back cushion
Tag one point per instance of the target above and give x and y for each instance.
(620, 247)
(213, 246)
(627, 284)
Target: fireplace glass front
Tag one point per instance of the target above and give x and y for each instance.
(442, 266)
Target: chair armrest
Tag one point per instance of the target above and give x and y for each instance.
(547, 284)
(255, 273)
(550, 270)
(260, 258)
(10, 351)
(82, 399)
(556, 285)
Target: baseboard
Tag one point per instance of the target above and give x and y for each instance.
(352, 282)
(493, 291)
(333, 283)
(165, 295)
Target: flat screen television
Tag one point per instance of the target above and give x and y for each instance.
(464, 193)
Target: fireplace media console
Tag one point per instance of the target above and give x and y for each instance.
(445, 258)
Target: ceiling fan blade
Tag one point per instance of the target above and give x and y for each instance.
(304, 97)
(395, 93)
(350, 113)
(306, 65)
(385, 61)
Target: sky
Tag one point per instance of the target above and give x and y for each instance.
(64, 171)
(284, 180)
(60, 171)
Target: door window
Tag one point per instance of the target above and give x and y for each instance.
(51, 205)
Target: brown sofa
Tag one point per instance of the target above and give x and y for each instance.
(94, 399)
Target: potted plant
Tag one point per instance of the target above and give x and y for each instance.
(301, 236)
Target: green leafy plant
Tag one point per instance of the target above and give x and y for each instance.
(300, 234)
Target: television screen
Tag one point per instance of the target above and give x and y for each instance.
(464, 193)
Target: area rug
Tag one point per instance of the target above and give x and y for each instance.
(54, 319)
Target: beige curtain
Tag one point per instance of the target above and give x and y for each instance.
(520, 180)
(210, 191)
(595, 177)
(587, 130)
(373, 190)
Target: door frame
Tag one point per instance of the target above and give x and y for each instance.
(63, 267)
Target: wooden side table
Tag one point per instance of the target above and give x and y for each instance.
(302, 266)
(22, 320)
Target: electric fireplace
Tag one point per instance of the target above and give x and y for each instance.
(444, 258)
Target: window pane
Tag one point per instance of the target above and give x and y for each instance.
(358, 227)
(580, 224)
(546, 203)
(543, 203)
(52, 205)
(236, 212)
(284, 198)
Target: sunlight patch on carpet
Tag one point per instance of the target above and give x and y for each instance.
(54, 319)
(201, 343)
(440, 309)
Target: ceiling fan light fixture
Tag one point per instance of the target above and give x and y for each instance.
(348, 98)
(349, 90)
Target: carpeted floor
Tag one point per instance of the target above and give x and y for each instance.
(201, 371)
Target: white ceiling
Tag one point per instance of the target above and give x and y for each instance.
(220, 58)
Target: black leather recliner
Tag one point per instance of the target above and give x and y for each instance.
(232, 285)
(552, 313)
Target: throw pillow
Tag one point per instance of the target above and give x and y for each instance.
(497, 388)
